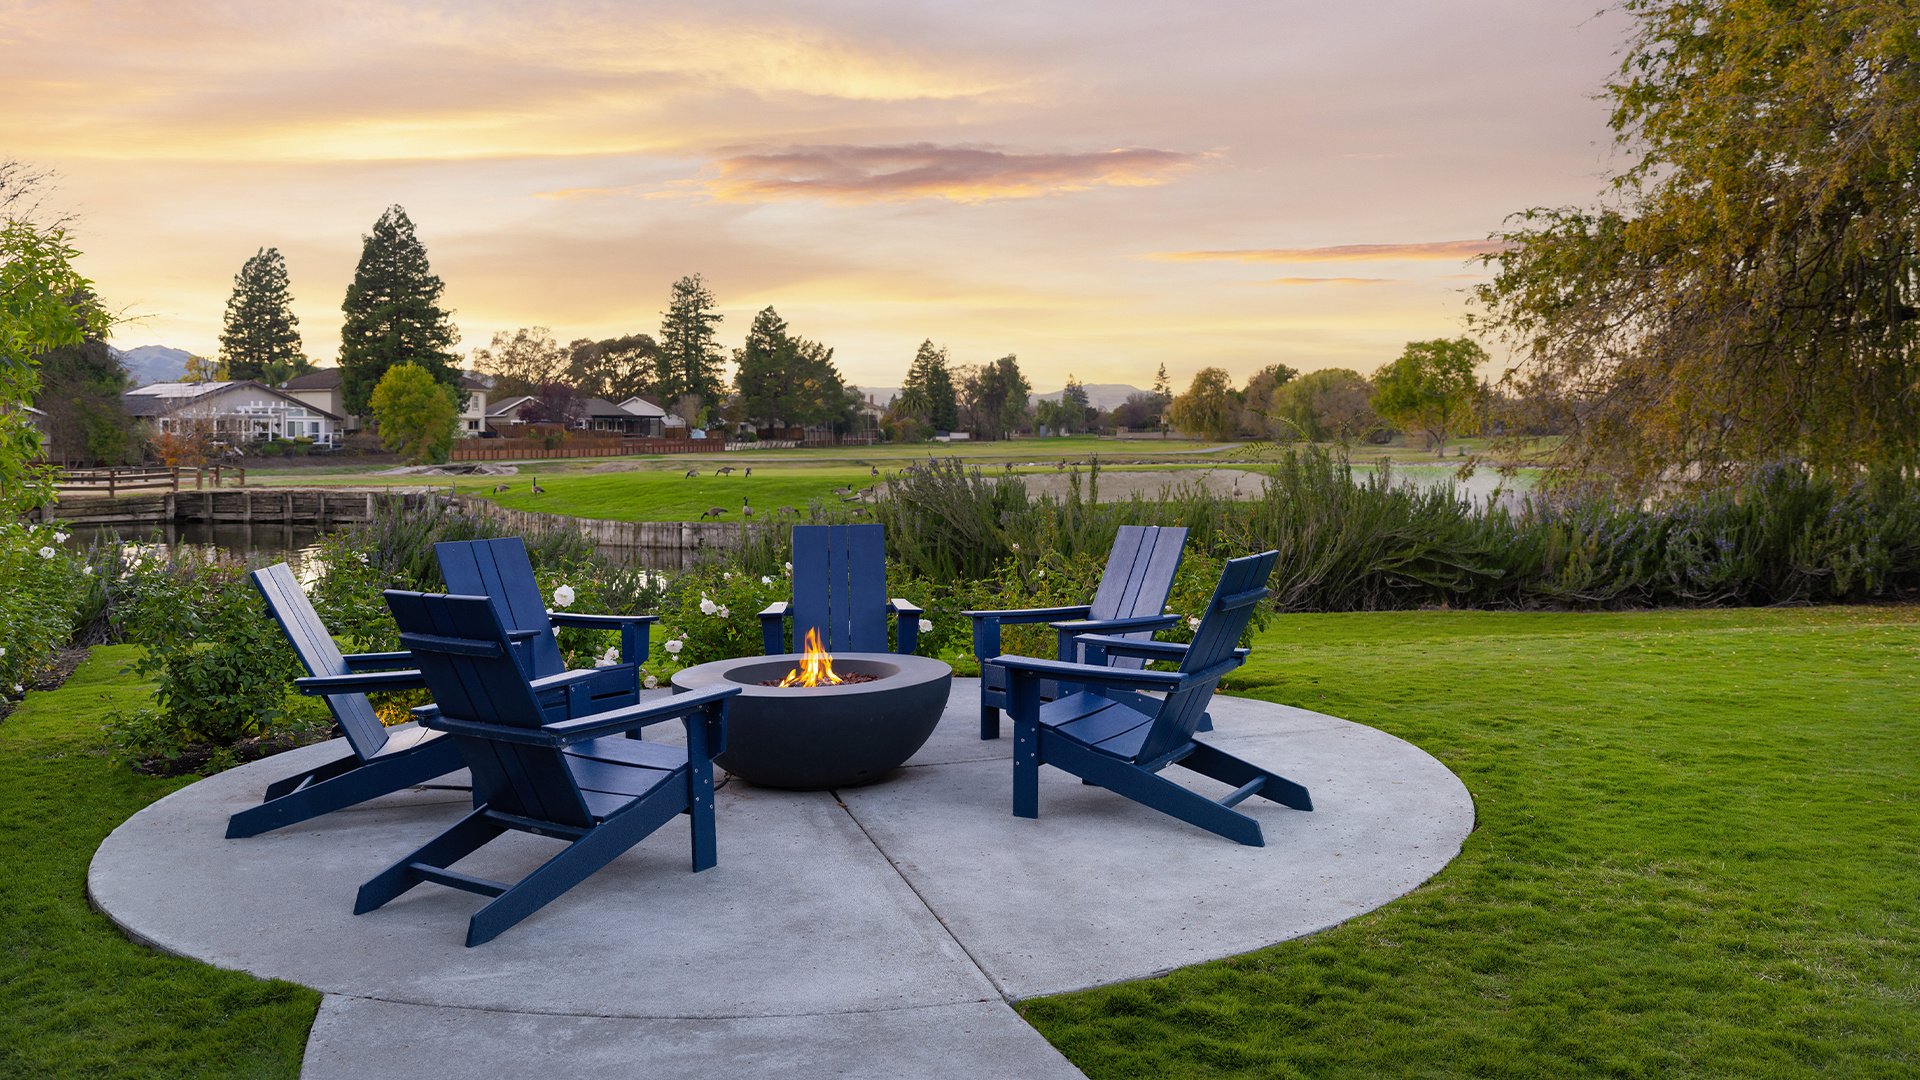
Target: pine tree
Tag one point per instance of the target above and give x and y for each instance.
(688, 363)
(261, 339)
(1162, 389)
(393, 313)
(929, 394)
(786, 378)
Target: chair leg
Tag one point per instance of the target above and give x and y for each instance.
(1206, 722)
(580, 861)
(1210, 761)
(1026, 771)
(468, 835)
(1159, 793)
(989, 722)
(700, 815)
(352, 786)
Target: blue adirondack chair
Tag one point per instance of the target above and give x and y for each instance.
(1130, 602)
(500, 570)
(537, 770)
(1121, 738)
(840, 590)
(381, 760)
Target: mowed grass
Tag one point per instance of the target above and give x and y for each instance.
(1697, 854)
(673, 496)
(77, 998)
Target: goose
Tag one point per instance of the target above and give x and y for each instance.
(498, 488)
(873, 470)
(724, 470)
(749, 471)
(536, 488)
(788, 510)
(713, 511)
(746, 508)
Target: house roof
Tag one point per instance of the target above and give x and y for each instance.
(642, 405)
(509, 407)
(326, 378)
(159, 399)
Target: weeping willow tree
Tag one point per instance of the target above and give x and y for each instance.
(1747, 290)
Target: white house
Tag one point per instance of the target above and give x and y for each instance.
(320, 388)
(234, 412)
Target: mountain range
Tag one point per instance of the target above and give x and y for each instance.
(153, 363)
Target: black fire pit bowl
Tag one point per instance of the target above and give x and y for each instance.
(813, 738)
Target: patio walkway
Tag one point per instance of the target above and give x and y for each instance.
(879, 933)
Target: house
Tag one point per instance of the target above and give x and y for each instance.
(636, 416)
(320, 388)
(234, 412)
(603, 415)
(654, 420)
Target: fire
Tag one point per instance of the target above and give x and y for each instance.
(816, 666)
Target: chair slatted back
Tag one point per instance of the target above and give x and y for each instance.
(1243, 584)
(501, 571)
(1138, 577)
(840, 586)
(467, 659)
(320, 656)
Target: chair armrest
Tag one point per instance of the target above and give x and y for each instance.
(378, 661)
(1031, 615)
(565, 678)
(432, 719)
(1029, 667)
(369, 682)
(1145, 650)
(1095, 626)
(633, 716)
(773, 627)
(518, 636)
(906, 608)
(598, 622)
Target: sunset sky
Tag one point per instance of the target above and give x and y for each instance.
(1097, 188)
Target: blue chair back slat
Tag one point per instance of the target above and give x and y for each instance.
(320, 656)
(467, 659)
(1242, 586)
(501, 571)
(840, 586)
(1138, 577)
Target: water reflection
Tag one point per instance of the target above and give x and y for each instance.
(297, 546)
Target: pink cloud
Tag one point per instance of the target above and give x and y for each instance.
(867, 174)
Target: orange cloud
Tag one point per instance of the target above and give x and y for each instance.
(868, 174)
(1441, 250)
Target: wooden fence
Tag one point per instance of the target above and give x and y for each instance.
(533, 449)
(111, 482)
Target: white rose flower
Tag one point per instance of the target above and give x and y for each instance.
(723, 611)
(59, 538)
(926, 626)
(1015, 547)
(788, 567)
(3, 650)
(726, 575)
(708, 607)
(651, 683)
(46, 553)
(87, 570)
(765, 580)
(1193, 623)
(612, 655)
(645, 582)
(18, 689)
(674, 645)
(563, 596)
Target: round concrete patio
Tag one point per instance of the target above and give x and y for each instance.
(875, 931)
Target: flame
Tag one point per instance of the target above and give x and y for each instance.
(816, 666)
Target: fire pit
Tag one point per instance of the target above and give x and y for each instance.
(812, 737)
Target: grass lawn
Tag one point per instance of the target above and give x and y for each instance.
(1697, 854)
(79, 999)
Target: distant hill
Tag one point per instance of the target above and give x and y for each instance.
(1099, 395)
(153, 363)
(881, 395)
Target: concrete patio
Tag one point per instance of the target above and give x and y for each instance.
(872, 932)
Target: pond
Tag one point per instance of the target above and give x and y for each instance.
(294, 545)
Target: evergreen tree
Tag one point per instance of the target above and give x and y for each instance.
(261, 339)
(929, 394)
(1075, 408)
(998, 393)
(688, 364)
(1162, 389)
(393, 314)
(80, 388)
(786, 378)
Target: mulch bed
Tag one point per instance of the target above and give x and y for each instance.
(197, 758)
(52, 677)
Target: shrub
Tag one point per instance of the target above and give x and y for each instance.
(46, 585)
(221, 665)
